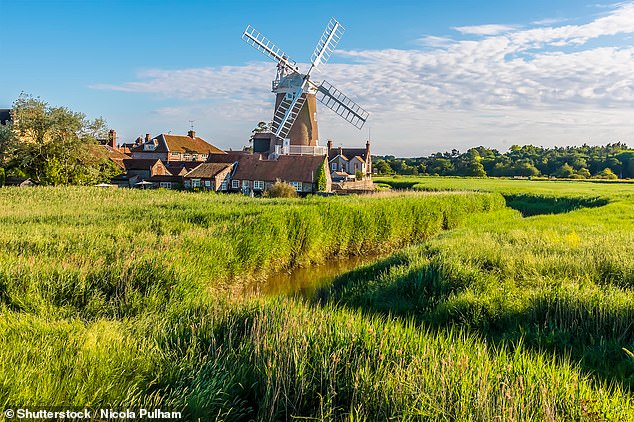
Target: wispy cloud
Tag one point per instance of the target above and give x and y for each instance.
(491, 29)
(541, 81)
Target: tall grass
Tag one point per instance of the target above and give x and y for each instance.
(128, 299)
(560, 284)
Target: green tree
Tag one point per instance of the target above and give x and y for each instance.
(565, 171)
(583, 172)
(54, 145)
(606, 173)
(321, 180)
(382, 167)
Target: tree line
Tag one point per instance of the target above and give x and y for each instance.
(611, 161)
(53, 145)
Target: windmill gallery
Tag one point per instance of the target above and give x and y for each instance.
(285, 150)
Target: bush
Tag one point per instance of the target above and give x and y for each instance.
(281, 190)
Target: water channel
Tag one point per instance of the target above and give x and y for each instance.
(305, 282)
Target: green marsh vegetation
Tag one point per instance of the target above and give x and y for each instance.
(133, 298)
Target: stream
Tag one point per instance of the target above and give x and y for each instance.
(305, 282)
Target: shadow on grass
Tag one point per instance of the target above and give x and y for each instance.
(563, 325)
(530, 205)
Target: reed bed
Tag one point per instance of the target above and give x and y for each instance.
(127, 299)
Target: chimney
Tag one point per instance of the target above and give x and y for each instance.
(191, 134)
(329, 144)
(138, 141)
(367, 149)
(112, 139)
(340, 150)
(147, 137)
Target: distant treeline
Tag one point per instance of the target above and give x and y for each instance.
(604, 162)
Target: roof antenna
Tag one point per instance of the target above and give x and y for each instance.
(191, 124)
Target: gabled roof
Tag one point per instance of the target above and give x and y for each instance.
(207, 170)
(116, 156)
(358, 158)
(289, 168)
(348, 153)
(230, 157)
(179, 143)
(336, 156)
(181, 167)
(139, 163)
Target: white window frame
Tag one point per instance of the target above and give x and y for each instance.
(297, 185)
(176, 154)
(195, 183)
(166, 185)
(207, 183)
(235, 184)
(245, 183)
(223, 186)
(258, 185)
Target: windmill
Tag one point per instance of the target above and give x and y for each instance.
(296, 94)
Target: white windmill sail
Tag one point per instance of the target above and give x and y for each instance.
(266, 47)
(327, 43)
(335, 100)
(287, 112)
(296, 87)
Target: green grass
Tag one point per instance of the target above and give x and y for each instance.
(125, 299)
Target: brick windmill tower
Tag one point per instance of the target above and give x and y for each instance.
(295, 116)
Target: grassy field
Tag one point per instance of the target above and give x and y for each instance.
(127, 299)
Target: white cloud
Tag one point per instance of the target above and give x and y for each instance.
(532, 86)
(491, 29)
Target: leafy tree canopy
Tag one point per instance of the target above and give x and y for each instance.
(519, 161)
(53, 145)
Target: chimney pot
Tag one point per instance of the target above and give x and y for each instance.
(191, 134)
(112, 138)
(329, 145)
(147, 137)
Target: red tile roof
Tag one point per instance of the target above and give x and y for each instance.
(180, 143)
(207, 170)
(288, 168)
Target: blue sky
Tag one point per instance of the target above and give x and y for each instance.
(435, 75)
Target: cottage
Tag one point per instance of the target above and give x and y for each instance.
(256, 174)
(345, 163)
(167, 147)
(145, 168)
(209, 176)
